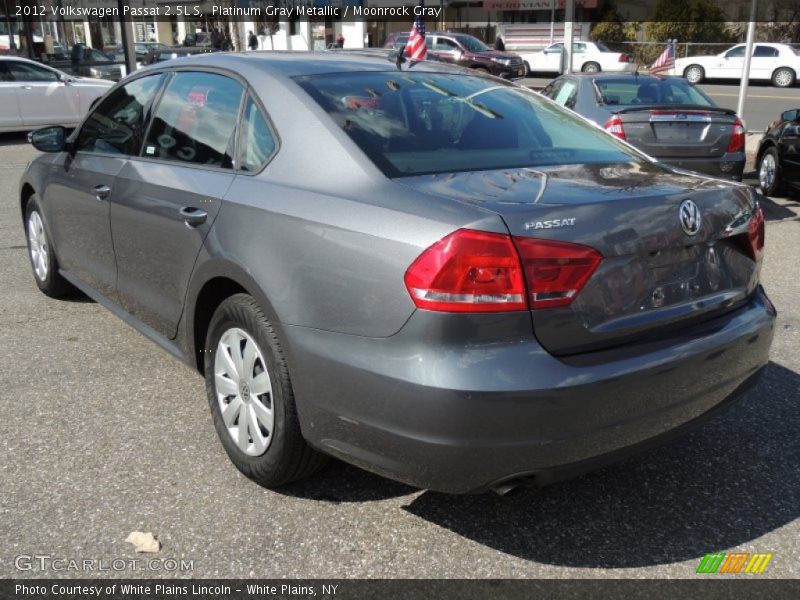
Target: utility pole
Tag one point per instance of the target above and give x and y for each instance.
(126, 30)
(569, 34)
(751, 33)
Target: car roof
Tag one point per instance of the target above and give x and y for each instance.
(287, 63)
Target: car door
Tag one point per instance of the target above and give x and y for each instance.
(166, 199)
(43, 98)
(10, 117)
(730, 65)
(763, 62)
(580, 55)
(550, 60)
(82, 181)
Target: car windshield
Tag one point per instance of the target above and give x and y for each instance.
(649, 91)
(413, 123)
(472, 44)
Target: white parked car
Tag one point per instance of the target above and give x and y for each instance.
(33, 95)
(588, 57)
(778, 63)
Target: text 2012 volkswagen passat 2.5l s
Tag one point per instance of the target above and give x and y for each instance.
(432, 274)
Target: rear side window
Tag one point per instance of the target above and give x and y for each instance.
(116, 126)
(195, 120)
(412, 123)
(765, 52)
(256, 140)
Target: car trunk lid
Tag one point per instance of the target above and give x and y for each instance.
(654, 276)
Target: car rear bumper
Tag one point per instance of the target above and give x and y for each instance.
(459, 404)
(729, 166)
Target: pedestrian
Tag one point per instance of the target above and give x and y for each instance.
(499, 44)
(216, 39)
(252, 41)
(340, 41)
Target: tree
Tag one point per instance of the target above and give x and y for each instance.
(611, 28)
(688, 21)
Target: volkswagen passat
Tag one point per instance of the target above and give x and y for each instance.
(436, 275)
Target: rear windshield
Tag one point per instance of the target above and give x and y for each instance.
(634, 91)
(413, 123)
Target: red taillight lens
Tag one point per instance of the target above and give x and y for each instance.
(468, 271)
(475, 271)
(614, 127)
(555, 271)
(737, 137)
(624, 58)
(755, 234)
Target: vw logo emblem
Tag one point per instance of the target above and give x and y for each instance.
(689, 216)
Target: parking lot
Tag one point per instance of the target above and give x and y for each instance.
(103, 433)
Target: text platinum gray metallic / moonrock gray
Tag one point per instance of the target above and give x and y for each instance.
(436, 275)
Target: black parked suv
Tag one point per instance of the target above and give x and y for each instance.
(465, 51)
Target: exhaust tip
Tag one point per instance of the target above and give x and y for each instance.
(512, 487)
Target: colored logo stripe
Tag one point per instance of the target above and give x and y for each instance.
(720, 562)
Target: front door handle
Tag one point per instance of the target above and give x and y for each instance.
(102, 192)
(193, 216)
(26, 87)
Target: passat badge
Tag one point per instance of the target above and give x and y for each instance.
(551, 224)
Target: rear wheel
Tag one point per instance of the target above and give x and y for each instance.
(482, 70)
(783, 77)
(591, 67)
(527, 68)
(769, 176)
(251, 397)
(694, 74)
(40, 252)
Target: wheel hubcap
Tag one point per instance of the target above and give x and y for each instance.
(244, 392)
(693, 75)
(766, 174)
(37, 242)
(782, 78)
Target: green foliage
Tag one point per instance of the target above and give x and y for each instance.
(611, 28)
(688, 21)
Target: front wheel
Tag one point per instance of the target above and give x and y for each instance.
(591, 67)
(783, 77)
(694, 74)
(769, 175)
(251, 397)
(40, 251)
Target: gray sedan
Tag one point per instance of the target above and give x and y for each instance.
(436, 275)
(666, 117)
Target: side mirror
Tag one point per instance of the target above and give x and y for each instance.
(49, 139)
(791, 115)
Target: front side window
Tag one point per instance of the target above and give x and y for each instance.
(22, 71)
(445, 45)
(195, 120)
(256, 140)
(413, 123)
(737, 52)
(116, 126)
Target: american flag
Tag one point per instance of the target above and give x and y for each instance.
(415, 46)
(665, 61)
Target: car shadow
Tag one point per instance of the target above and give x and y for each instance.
(13, 139)
(778, 212)
(728, 483)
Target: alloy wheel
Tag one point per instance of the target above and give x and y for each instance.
(783, 78)
(37, 243)
(766, 174)
(244, 392)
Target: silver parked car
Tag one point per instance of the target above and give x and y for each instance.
(33, 95)
(436, 275)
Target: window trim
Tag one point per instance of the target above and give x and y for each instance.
(250, 93)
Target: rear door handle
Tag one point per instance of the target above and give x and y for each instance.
(26, 87)
(102, 192)
(193, 216)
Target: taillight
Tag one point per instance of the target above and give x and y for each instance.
(614, 127)
(737, 137)
(555, 271)
(624, 58)
(468, 271)
(755, 234)
(476, 271)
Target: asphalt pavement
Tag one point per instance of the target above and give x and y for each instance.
(102, 433)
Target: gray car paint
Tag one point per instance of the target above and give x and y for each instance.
(321, 239)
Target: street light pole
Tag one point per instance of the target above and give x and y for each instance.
(751, 32)
(569, 34)
(127, 39)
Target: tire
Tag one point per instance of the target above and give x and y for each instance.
(694, 74)
(482, 70)
(590, 67)
(783, 77)
(769, 173)
(527, 68)
(44, 263)
(274, 452)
